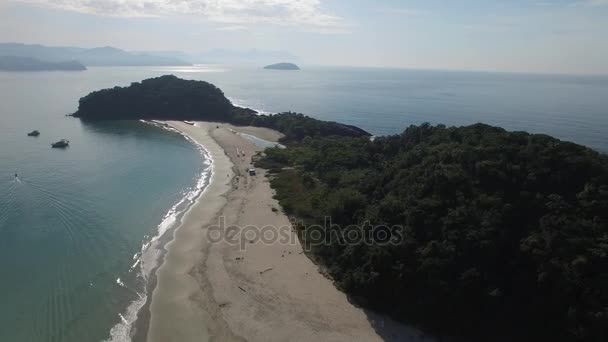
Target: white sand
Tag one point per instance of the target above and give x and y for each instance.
(266, 291)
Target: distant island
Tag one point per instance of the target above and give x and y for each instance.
(171, 98)
(14, 63)
(101, 56)
(472, 232)
(282, 66)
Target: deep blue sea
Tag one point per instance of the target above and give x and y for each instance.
(74, 221)
(386, 101)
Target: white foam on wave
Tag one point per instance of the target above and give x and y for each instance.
(122, 318)
(147, 257)
(121, 332)
(244, 104)
(135, 264)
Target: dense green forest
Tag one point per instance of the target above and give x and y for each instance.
(494, 235)
(172, 98)
(503, 236)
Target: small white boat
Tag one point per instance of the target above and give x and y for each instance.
(191, 123)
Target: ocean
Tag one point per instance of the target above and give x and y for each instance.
(74, 223)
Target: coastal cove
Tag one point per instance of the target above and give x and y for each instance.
(74, 235)
(303, 170)
(189, 299)
(104, 198)
(432, 225)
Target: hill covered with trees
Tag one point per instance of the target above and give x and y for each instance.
(172, 98)
(495, 235)
(490, 235)
(282, 66)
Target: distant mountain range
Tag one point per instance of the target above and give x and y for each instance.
(15, 63)
(110, 56)
(102, 56)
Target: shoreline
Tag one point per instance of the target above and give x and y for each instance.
(253, 290)
(180, 253)
(152, 252)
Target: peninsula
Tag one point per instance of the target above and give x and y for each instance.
(282, 66)
(14, 63)
(470, 232)
(171, 98)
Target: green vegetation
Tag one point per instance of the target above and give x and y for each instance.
(504, 234)
(172, 98)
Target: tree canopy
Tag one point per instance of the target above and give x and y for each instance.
(494, 235)
(172, 98)
(504, 235)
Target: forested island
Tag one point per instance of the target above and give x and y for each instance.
(172, 98)
(282, 66)
(495, 235)
(14, 63)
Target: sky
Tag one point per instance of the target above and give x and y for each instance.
(544, 36)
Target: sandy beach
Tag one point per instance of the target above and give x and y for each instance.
(258, 287)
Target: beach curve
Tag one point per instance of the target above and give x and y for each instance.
(251, 290)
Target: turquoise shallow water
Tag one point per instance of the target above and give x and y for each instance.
(73, 223)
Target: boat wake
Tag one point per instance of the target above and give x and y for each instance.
(8, 196)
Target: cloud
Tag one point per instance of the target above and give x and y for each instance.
(592, 3)
(232, 28)
(400, 11)
(233, 12)
(597, 2)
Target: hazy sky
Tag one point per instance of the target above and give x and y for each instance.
(507, 35)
